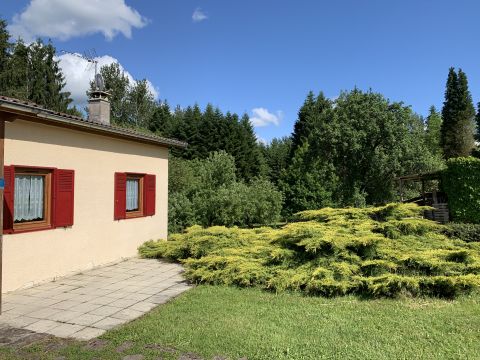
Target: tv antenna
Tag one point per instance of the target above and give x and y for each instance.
(91, 58)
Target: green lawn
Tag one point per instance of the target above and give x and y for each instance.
(220, 321)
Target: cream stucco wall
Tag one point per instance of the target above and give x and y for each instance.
(95, 238)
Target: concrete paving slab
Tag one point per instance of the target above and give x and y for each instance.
(84, 306)
(42, 326)
(105, 310)
(108, 323)
(87, 333)
(87, 319)
(66, 315)
(127, 314)
(64, 330)
(103, 300)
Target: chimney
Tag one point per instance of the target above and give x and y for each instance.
(99, 107)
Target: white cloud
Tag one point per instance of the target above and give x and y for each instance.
(78, 74)
(262, 117)
(199, 15)
(63, 19)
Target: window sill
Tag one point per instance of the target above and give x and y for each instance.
(134, 216)
(32, 229)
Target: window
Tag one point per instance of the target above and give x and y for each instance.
(134, 195)
(32, 199)
(134, 198)
(37, 198)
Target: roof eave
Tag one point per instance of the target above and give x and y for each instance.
(29, 112)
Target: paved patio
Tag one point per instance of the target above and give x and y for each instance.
(85, 305)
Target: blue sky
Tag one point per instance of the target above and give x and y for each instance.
(262, 57)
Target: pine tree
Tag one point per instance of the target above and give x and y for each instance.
(276, 157)
(248, 157)
(5, 48)
(477, 119)
(432, 134)
(56, 98)
(161, 121)
(192, 121)
(208, 132)
(37, 73)
(32, 73)
(17, 77)
(307, 115)
(301, 128)
(457, 132)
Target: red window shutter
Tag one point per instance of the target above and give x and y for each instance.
(120, 207)
(150, 185)
(63, 197)
(8, 197)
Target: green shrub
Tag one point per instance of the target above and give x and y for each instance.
(378, 267)
(207, 192)
(389, 286)
(461, 182)
(331, 252)
(465, 232)
(449, 286)
(395, 228)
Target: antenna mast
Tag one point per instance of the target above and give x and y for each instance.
(91, 58)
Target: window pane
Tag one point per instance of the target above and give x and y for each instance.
(28, 201)
(132, 194)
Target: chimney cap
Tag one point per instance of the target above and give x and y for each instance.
(98, 94)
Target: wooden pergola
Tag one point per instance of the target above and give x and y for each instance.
(439, 204)
(421, 178)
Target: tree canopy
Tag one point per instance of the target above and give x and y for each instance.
(433, 131)
(354, 149)
(31, 72)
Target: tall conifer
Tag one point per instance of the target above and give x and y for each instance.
(5, 48)
(301, 129)
(17, 77)
(457, 132)
(477, 120)
(432, 135)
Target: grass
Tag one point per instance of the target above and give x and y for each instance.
(234, 323)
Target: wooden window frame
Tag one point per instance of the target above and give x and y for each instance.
(45, 223)
(129, 214)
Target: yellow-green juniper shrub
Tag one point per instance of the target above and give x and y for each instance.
(376, 251)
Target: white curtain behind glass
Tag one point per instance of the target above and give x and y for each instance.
(28, 201)
(132, 194)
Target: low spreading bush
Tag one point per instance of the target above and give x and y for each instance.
(377, 251)
(465, 232)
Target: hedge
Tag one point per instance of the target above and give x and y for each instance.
(461, 182)
(465, 232)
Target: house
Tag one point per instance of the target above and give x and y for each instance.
(77, 193)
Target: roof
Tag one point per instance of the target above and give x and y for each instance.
(420, 177)
(34, 112)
